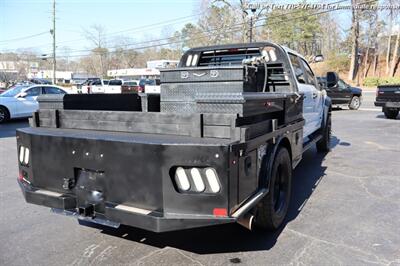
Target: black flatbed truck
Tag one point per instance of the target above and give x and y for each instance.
(221, 149)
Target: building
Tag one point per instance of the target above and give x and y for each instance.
(17, 70)
(78, 78)
(62, 77)
(164, 63)
(134, 73)
(152, 70)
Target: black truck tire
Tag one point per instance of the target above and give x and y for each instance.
(324, 144)
(355, 103)
(272, 209)
(4, 114)
(391, 114)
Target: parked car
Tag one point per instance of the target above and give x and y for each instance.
(150, 85)
(131, 86)
(99, 86)
(388, 97)
(114, 86)
(342, 93)
(84, 87)
(40, 81)
(20, 101)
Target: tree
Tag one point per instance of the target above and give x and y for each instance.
(395, 57)
(191, 36)
(217, 26)
(96, 34)
(298, 30)
(355, 34)
(392, 13)
(371, 35)
(330, 40)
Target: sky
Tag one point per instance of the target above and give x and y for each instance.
(26, 24)
(26, 18)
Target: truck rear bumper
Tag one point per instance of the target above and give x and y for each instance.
(120, 214)
(126, 178)
(390, 105)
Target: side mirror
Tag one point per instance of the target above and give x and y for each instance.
(332, 79)
(22, 95)
(318, 58)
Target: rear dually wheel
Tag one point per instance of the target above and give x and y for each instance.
(272, 209)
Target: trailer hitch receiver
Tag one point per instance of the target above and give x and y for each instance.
(86, 211)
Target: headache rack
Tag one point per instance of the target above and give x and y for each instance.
(233, 56)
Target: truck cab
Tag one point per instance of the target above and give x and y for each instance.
(305, 81)
(314, 96)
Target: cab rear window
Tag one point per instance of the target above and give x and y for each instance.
(115, 82)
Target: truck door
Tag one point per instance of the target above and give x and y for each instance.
(308, 92)
(317, 96)
(344, 92)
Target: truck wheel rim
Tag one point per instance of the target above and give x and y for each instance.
(2, 115)
(280, 190)
(356, 102)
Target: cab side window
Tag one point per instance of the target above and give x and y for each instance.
(341, 85)
(53, 90)
(298, 70)
(36, 91)
(310, 78)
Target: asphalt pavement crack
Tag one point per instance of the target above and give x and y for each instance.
(379, 260)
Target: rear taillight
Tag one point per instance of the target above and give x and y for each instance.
(197, 180)
(24, 155)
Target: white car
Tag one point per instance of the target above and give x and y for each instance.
(151, 86)
(114, 86)
(99, 86)
(20, 101)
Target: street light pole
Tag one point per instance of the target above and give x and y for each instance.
(253, 11)
(53, 31)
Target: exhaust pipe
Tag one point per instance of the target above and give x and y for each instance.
(246, 221)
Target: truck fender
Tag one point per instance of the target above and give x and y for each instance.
(327, 110)
(268, 161)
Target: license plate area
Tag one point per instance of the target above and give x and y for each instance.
(393, 104)
(90, 191)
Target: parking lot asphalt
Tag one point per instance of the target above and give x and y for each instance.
(345, 210)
